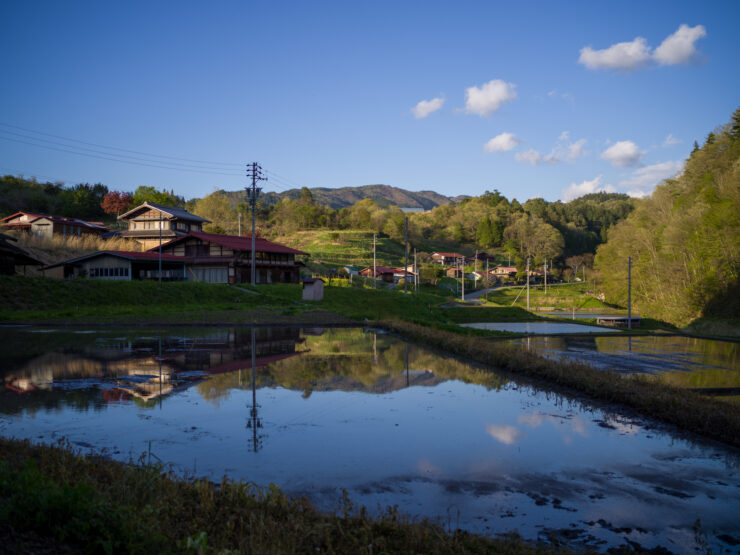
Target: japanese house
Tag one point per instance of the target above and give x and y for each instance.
(385, 274)
(12, 257)
(46, 225)
(447, 258)
(149, 221)
(205, 257)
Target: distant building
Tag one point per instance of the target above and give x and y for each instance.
(46, 225)
(351, 270)
(502, 271)
(146, 220)
(385, 274)
(447, 258)
(205, 257)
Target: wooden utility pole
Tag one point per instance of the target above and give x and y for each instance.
(160, 247)
(416, 273)
(629, 292)
(527, 284)
(374, 275)
(406, 255)
(254, 170)
(545, 277)
(487, 282)
(463, 278)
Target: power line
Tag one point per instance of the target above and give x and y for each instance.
(234, 164)
(210, 172)
(117, 156)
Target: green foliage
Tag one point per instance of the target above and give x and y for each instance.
(684, 240)
(146, 193)
(217, 208)
(28, 195)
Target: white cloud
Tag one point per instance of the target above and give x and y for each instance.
(507, 435)
(426, 107)
(576, 190)
(564, 150)
(535, 158)
(625, 56)
(502, 143)
(488, 98)
(679, 48)
(623, 154)
(670, 140)
(643, 180)
(575, 150)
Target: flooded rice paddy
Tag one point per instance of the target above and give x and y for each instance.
(322, 410)
(539, 327)
(709, 366)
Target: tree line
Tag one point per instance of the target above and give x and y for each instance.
(684, 240)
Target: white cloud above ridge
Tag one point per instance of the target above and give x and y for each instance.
(489, 97)
(426, 107)
(623, 154)
(680, 47)
(502, 143)
(625, 56)
(576, 190)
(564, 150)
(670, 140)
(643, 180)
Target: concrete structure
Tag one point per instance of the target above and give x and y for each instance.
(46, 225)
(313, 289)
(618, 321)
(145, 220)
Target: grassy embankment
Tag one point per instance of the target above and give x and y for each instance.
(55, 500)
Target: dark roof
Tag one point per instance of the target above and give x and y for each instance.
(56, 219)
(21, 257)
(179, 213)
(127, 255)
(237, 243)
(379, 270)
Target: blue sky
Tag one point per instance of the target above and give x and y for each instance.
(535, 99)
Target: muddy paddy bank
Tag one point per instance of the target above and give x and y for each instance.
(390, 422)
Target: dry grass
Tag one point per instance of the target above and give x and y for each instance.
(58, 248)
(682, 408)
(52, 496)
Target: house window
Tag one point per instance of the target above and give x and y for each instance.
(197, 250)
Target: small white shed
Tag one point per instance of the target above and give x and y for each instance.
(313, 289)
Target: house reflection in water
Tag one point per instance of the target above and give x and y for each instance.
(144, 369)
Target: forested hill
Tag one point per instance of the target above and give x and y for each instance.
(684, 239)
(383, 195)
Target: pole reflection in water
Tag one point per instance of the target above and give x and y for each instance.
(254, 422)
(160, 371)
(407, 363)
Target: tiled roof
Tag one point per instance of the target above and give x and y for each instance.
(179, 213)
(56, 219)
(379, 270)
(127, 255)
(239, 243)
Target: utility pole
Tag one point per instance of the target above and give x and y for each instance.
(487, 282)
(416, 274)
(254, 170)
(527, 284)
(629, 292)
(463, 278)
(406, 255)
(545, 277)
(375, 282)
(240, 223)
(254, 422)
(160, 247)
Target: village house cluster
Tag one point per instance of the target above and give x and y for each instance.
(187, 253)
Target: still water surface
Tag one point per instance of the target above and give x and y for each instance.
(390, 422)
(539, 327)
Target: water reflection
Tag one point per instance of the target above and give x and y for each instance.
(321, 410)
(709, 366)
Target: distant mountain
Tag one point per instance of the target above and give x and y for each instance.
(383, 195)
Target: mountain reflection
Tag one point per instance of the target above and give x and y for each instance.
(92, 370)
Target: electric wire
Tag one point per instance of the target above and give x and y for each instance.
(233, 164)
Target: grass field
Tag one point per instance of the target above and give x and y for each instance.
(565, 297)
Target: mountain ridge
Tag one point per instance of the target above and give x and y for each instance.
(341, 197)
